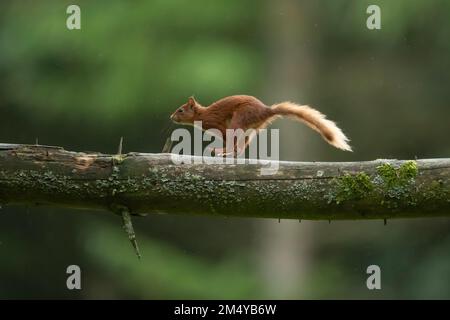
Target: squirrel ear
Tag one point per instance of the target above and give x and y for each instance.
(191, 102)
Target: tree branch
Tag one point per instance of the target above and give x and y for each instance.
(152, 183)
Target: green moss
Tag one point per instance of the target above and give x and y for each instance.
(393, 186)
(396, 183)
(408, 170)
(352, 187)
(394, 177)
(387, 173)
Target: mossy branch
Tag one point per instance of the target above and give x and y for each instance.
(151, 183)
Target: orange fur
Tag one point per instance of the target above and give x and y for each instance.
(247, 112)
(316, 121)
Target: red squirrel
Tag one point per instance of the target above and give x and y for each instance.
(247, 112)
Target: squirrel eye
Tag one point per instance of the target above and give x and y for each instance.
(180, 110)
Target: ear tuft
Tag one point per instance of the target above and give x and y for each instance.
(191, 102)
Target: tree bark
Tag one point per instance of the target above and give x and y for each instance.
(152, 183)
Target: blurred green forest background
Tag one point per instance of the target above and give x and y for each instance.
(133, 62)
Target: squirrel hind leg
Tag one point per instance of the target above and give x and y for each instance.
(241, 143)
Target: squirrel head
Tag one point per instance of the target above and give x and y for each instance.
(186, 113)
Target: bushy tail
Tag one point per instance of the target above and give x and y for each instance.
(316, 121)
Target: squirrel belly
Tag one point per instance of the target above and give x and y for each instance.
(247, 112)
